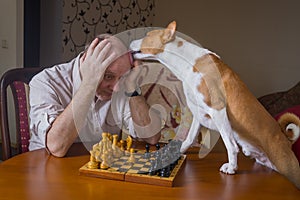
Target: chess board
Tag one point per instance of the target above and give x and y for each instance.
(137, 171)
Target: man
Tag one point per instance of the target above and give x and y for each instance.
(74, 101)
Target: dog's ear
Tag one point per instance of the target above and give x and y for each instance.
(172, 26)
(169, 33)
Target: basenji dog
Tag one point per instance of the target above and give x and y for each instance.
(219, 100)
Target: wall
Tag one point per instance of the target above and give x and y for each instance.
(66, 26)
(11, 33)
(83, 20)
(258, 39)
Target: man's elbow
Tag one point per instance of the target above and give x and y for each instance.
(56, 150)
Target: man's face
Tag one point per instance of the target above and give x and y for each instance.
(112, 75)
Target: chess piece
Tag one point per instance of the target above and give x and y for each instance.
(104, 164)
(147, 153)
(117, 152)
(147, 148)
(115, 140)
(152, 170)
(157, 146)
(131, 158)
(122, 145)
(92, 164)
(129, 142)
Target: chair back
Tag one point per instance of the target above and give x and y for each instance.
(17, 79)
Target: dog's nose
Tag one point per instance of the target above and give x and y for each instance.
(135, 52)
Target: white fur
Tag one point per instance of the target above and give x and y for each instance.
(295, 129)
(180, 60)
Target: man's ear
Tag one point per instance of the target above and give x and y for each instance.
(169, 33)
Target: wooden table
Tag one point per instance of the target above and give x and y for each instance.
(37, 175)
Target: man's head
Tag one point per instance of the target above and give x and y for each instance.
(112, 75)
(115, 70)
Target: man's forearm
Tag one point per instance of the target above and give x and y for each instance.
(147, 121)
(66, 126)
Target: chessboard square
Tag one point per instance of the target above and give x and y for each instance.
(118, 163)
(138, 165)
(144, 169)
(125, 166)
(123, 158)
(133, 171)
(143, 160)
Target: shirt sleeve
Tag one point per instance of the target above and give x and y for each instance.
(45, 106)
(128, 122)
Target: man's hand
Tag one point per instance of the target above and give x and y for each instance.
(131, 79)
(95, 61)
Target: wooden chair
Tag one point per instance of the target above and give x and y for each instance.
(17, 79)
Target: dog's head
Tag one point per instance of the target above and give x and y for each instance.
(154, 42)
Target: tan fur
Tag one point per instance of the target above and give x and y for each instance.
(213, 96)
(254, 124)
(179, 44)
(155, 41)
(247, 117)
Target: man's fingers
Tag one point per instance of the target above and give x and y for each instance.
(107, 61)
(92, 46)
(102, 48)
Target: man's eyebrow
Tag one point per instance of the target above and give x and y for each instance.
(110, 72)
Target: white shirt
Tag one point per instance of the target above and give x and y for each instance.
(50, 93)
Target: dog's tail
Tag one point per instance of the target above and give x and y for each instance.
(290, 125)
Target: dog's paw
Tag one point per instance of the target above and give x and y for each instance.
(246, 152)
(228, 169)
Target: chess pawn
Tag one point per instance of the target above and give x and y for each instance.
(115, 141)
(104, 164)
(122, 145)
(131, 158)
(92, 164)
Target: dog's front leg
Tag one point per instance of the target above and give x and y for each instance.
(222, 123)
(192, 134)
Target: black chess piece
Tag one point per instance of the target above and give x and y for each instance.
(157, 146)
(147, 148)
(152, 170)
(147, 153)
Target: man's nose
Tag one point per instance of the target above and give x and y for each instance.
(116, 86)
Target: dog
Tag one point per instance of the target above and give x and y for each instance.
(219, 100)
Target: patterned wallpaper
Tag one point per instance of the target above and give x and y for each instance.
(83, 19)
